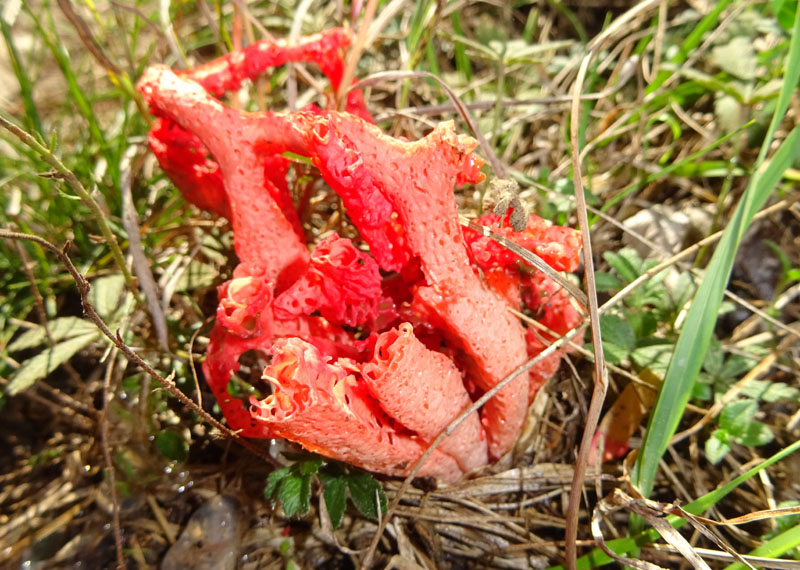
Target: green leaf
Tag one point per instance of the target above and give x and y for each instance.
(607, 282)
(41, 365)
(644, 323)
(365, 493)
(784, 11)
(626, 262)
(717, 446)
(729, 113)
(755, 434)
(309, 466)
(736, 415)
(172, 445)
(714, 359)
(682, 289)
(614, 354)
(196, 276)
(770, 391)
(702, 391)
(106, 295)
(294, 493)
(725, 307)
(62, 328)
(274, 480)
(737, 58)
(618, 331)
(335, 495)
(655, 357)
(735, 365)
(618, 337)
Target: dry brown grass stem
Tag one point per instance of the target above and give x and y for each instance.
(141, 265)
(601, 372)
(530, 101)
(552, 349)
(169, 33)
(355, 53)
(300, 12)
(196, 333)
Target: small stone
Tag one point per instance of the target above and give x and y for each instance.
(210, 540)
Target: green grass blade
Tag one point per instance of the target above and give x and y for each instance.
(690, 43)
(32, 121)
(75, 90)
(696, 335)
(692, 158)
(573, 19)
(791, 77)
(623, 546)
(774, 547)
(463, 65)
(422, 14)
(697, 331)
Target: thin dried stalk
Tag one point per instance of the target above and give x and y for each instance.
(90, 313)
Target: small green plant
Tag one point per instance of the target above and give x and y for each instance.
(737, 424)
(643, 332)
(291, 487)
(642, 328)
(172, 445)
(286, 554)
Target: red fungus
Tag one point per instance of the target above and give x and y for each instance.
(326, 409)
(430, 333)
(559, 247)
(341, 282)
(393, 375)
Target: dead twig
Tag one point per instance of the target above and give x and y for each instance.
(552, 349)
(90, 313)
(191, 360)
(73, 182)
(141, 265)
(601, 372)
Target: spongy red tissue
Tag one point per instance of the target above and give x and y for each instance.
(376, 343)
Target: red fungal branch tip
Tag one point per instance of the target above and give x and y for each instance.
(372, 353)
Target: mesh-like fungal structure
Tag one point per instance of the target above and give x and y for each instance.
(375, 344)
(552, 307)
